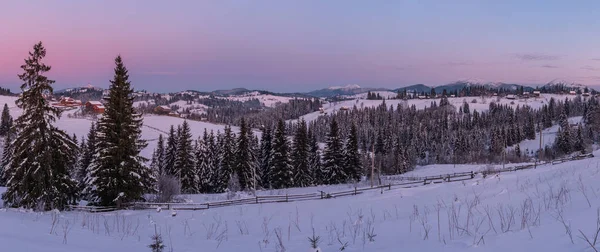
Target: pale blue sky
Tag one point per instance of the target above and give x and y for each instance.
(303, 45)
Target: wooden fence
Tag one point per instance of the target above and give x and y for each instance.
(411, 182)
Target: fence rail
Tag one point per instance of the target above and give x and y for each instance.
(263, 199)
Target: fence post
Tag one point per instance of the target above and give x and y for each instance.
(256, 199)
(355, 191)
(286, 197)
(207, 205)
(425, 181)
(472, 175)
(389, 186)
(321, 194)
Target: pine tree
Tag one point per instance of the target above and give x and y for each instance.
(518, 150)
(266, 146)
(314, 160)
(118, 173)
(6, 157)
(333, 158)
(226, 160)
(299, 157)
(171, 152)
(38, 175)
(246, 161)
(281, 169)
(184, 165)
(5, 121)
(87, 156)
(204, 165)
(157, 242)
(352, 164)
(160, 155)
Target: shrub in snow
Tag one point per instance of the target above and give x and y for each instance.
(168, 188)
(157, 242)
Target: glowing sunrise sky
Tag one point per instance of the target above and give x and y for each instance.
(290, 46)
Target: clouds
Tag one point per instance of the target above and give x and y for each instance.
(536, 57)
(590, 68)
(549, 66)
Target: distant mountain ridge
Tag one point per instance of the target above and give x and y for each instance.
(350, 90)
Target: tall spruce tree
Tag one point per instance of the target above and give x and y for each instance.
(246, 161)
(204, 163)
(170, 153)
(314, 160)
(281, 169)
(184, 161)
(6, 157)
(87, 156)
(226, 160)
(352, 163)
(160, 155)
(299, 156)
(266, 147)
(37, 173)
(5, 121)
(118, 173)
(333, 157)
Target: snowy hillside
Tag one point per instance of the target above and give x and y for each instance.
(153, 125)
(550, 208)
(267, 100)
(475, 103)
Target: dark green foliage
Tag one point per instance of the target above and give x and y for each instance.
(5, 121)
(170, 153)
(246, 161)
(299, 157)
(281, 168)
(185, 168)
(118, 174)
(37, 174)
(266, 146)
(352, 163)
(333, 158)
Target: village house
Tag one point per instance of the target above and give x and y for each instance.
(69, 102)
(162, 110)
(536, 93)
(94, 106)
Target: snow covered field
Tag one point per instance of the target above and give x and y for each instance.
(481, 104)
(153, 125)
(531, 210)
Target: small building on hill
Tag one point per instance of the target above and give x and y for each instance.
(69, 102)
(511, 97)
(95, 106)
(537, 93)
(162, 110)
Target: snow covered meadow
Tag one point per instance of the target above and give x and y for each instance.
(551, 208)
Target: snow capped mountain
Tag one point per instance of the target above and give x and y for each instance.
(560, 83)
(345, 90)
(347, 87)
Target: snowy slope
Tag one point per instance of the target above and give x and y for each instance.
(481, 103)
(518, 211)
(267, 100)
(80, 126)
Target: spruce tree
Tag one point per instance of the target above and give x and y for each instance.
(170, 153)
(266, 146)
(281, 169)
(299, 156)
(333, 158)
(37, 173)
(184, 161)
(160, 155)
(204, 163)
(5, 121)
(246, 161)
(352, 164)
(314, 160)
(118, 173)
(87, 156)
(6, 157)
